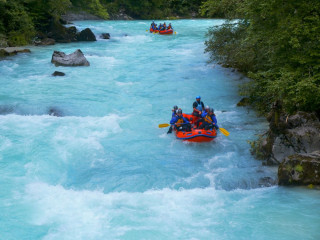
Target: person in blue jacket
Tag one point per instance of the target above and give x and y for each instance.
(160, 27)
(205, 111)
(174, 114)
(180, 122)
(202, 116)
(209, 121)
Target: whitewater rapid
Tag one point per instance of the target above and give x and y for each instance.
(104, 170)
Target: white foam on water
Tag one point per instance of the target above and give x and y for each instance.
(4, 143)
(121, 84)
(139, 39)
(200, 213)
(93, 214)
(103, 59)
(182, 52)
(163, 135)
(9, 67)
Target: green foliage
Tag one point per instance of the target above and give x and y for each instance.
(20, 20)
(92, 6)
(277, 44)
(154, 9)
(16, 23)
(58, 7)
(222, 9)
(256, 147)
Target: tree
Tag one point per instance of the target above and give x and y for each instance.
(277, 44)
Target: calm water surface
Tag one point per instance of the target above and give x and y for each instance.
(104, 170)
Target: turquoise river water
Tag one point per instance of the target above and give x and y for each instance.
(104, 170)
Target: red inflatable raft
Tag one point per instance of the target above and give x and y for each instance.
(155, 31)
(196, 135)
(168, 31)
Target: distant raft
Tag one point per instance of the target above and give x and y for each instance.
(196, 135)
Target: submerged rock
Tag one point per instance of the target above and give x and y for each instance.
(300, 169)
(55, 112)
(57, 73)
(105, 35)
(74, 59)
(5, 109)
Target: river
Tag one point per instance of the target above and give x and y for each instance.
(104, 170)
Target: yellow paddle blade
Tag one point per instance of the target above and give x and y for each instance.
(224, 131)
(163, 125)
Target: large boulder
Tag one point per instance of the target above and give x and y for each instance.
(288, 135)
(86, 35)
(58, 32)
(300, 169)
(74, 59)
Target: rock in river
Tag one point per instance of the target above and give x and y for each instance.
(57, 73)
(300, 169)
(74, 59)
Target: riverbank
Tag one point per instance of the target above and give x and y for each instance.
(10, 51)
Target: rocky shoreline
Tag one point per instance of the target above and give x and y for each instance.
(10, 51)
(292, 143)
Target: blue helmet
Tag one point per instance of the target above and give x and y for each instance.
(198, 97)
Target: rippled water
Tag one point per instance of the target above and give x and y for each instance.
(104, 170)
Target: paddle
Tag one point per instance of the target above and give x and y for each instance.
(224, 132)
(163, 125)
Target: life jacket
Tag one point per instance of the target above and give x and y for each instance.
(208, 119)
(179, 122)
(199, 107)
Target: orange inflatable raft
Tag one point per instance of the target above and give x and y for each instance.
(196, 135)
(167, 31)
(153, 31)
